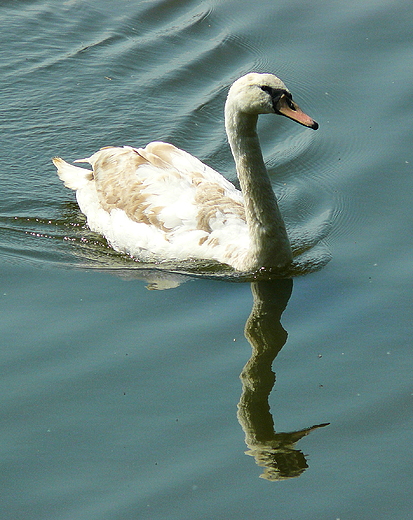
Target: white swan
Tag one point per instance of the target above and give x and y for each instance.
(160, 203)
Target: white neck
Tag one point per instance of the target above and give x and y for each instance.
(270, 246)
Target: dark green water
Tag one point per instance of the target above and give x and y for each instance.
(120, 403)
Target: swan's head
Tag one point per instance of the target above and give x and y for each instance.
(266, 94)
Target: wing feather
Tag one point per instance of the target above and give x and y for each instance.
(163, 200)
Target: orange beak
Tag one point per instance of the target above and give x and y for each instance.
(288, 108)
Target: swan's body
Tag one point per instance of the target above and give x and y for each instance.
(160, 202)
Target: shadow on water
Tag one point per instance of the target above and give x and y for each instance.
(275, 452)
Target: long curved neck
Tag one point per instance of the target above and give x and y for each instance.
(270, 246)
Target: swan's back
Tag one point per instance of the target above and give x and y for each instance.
(160, 202)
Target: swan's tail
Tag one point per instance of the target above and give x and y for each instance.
(73, 176)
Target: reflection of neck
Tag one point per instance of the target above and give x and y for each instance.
(270, 246)
(273, 451)
(266, 335)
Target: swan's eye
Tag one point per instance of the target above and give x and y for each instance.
(267, 89)
(289, 100)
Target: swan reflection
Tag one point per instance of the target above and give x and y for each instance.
(275, 452)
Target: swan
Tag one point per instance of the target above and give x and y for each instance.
(160, 203)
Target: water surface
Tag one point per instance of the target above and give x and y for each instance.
(123, 403)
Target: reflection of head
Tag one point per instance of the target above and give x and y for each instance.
(279, 464)
(279, 458)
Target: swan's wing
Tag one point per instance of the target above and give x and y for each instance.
(165, 187)
(182, 162)
(160, 202)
